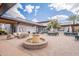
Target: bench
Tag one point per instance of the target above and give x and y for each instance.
(70, 33)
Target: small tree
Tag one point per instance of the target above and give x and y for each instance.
(53, 24)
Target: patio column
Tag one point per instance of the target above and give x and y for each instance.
(18, 28)
(70, 29)
(13, 28)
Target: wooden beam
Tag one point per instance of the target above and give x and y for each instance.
(7, 21)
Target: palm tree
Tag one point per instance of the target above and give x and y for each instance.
(53, 24)
(73, 18)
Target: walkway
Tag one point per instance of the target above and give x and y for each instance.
(57, 45)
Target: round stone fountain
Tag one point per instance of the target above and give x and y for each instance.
(36, 42)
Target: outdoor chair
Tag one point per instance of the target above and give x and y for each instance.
(67, 33)
(74, 33)
(77, 37)
(70, 33)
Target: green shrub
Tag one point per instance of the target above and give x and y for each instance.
(2, 32)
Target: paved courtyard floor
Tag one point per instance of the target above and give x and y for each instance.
(57, 46)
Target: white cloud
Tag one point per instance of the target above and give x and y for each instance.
(60, 6)
(19, 6)
(50, 5)
(37, 7)
(76, 10)
(59, 17)
(29, 8)
(73, 7)
(14, 13)
(49, 18)
(51, 8)
(34, 20)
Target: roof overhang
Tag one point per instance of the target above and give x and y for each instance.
(7, 21)
(5, 7)
(15, 20)
(70, 25)
(44, 21)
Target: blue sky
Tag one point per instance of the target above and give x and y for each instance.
(43, 13)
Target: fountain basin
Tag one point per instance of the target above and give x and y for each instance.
(29, 45)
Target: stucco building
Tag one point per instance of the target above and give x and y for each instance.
(20, 25)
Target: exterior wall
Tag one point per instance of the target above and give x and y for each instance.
(26, 28)
(76, 27)
(5, 27)
(40, 29)
(22, 28)
(68, 29)
(0, 26)
(43, 29)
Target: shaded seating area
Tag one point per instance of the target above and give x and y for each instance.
(70, 33)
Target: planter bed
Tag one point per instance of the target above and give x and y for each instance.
(44, 32)
(53, 34)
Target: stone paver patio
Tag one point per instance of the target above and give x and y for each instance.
(57, 46)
